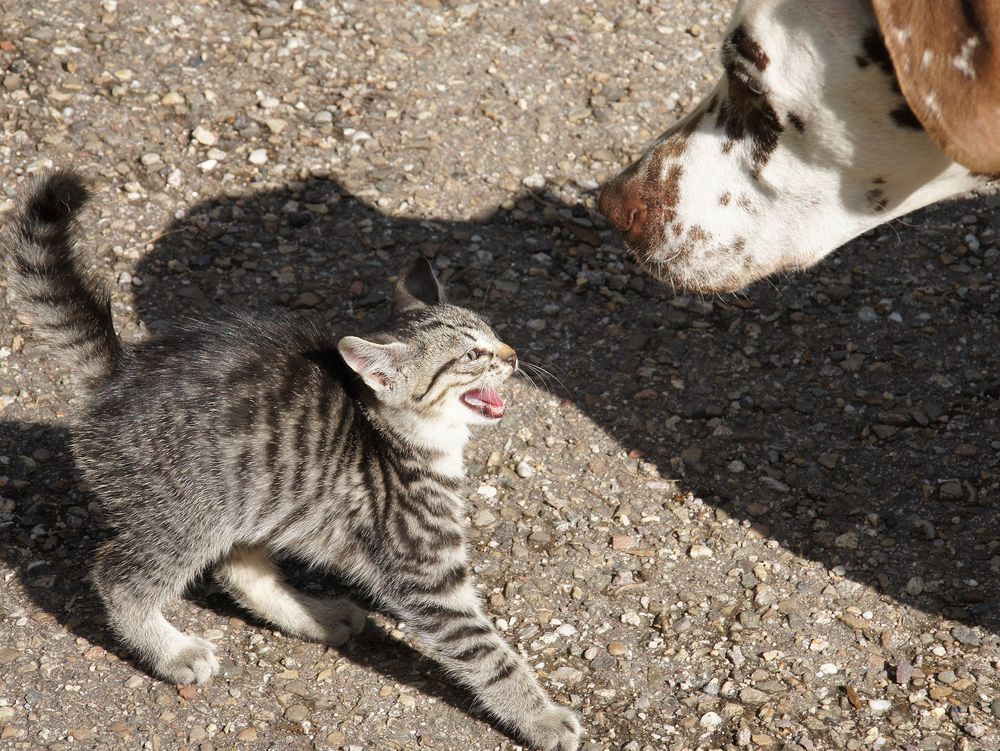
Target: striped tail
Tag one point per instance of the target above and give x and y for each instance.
(71, 308)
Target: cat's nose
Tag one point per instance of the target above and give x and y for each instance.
(508, 355)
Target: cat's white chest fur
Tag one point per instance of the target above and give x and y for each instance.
(447, 438)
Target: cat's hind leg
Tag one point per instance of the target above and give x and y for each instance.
(135, 584)
(252, 578)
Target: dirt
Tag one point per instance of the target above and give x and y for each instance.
(766, 520)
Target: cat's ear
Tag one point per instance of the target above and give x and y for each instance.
(417, 286)
(379, 365)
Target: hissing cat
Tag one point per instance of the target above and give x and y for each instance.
(235, 440)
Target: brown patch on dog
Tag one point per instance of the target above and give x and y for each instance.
(725, 198)
(948, 67)
(879, 180)
(747, 113)
(670, 192)
(797, 122)
(877, 200)
(698, 234)
(905, 117)
(659, 196)
(875, 51)
(672, 148)
(743, 43)
(642, 200)
(745, 203)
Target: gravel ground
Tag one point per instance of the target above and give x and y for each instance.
(763, 521)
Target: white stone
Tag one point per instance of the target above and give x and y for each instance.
(700, 551)
(258, 156)
(710, 720)
(867, 313)
(879, 705)
(276, 124)
(204, 136)
(484, 518)
(534, 181)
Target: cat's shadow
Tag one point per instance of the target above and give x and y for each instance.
(554, 286)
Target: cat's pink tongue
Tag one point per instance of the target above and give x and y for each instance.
(485, 401)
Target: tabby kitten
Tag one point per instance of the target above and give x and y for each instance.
(235, 440)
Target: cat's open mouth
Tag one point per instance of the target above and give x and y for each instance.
(486, 402)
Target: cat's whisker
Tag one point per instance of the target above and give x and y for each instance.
(548, 374)
(486, 297)
(546, 370)
(525, 374)
(530, 380)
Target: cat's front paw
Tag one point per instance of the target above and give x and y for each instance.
(555, 728)
(194, 662)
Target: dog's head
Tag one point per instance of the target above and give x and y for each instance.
(806, 142)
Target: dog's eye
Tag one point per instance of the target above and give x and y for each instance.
(741, 81)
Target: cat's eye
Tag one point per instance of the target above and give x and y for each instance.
(473, 354)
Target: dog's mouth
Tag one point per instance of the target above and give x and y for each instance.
(486, 402)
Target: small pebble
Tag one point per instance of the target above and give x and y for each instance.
(524, 469)
(710, 721)
(204, 136)
(879, 706)
(965, 635)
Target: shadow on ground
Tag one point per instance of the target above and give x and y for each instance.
(851, 439)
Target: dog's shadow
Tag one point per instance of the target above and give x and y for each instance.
(678, 381)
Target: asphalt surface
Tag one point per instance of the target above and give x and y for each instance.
(759, 521)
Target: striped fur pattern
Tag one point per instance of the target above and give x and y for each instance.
(69, 306)
(236, 440)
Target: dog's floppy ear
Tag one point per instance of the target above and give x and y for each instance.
(417, 286)
(947, 61)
